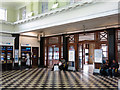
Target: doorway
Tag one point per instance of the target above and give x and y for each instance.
(34, 56)
(86, 54)
(53, 55)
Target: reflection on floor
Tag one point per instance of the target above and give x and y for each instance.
(45, 78)
(88, 68)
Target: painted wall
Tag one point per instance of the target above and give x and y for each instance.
(6, 28)
(11, 13)
(33, 41)
(36, 8)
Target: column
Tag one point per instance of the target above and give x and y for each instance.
(65, 48)
(16, 47)
(42, 51)
(111, 44)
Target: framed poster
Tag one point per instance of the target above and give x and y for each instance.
(72, 55)
(98, 55)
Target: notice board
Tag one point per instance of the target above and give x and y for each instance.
(98, 55)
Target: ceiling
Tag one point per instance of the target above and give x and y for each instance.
(81, 25)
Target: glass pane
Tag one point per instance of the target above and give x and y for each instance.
(61, 51)
(50, 53)
(71, 48)
(45, 53)
(104, 48)
(71, 39)
(118, 48)
(23, 12)
(118, 44)
(80, 48)
(80, 62)
(3, 14)
(50, 49)
(71, 1)
(105, 54)
(119, 35)
(80, 54)
(103, 36)
(44, 6)
(56, 53)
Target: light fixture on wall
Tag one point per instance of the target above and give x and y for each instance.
(55, 5)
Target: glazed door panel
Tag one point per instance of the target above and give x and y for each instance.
(53, 55)
(81, 58)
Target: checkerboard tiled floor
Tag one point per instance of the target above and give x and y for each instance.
(45, 78)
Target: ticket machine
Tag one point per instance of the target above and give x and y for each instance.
(6, 57)
(24, 51)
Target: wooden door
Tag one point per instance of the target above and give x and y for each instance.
(34, 56)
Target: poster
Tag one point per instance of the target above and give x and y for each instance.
(98, 55)
(16, 55)
(72, 55)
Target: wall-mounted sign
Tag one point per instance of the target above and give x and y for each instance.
(25, 45)
(98, 55)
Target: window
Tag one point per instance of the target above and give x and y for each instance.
(104, 47)
(61, 51)
(118, 35)
(3, 14)
(22, 13)
(44, 6)
(71, 1)
(103, 36)
(74, 1)
(71, 39)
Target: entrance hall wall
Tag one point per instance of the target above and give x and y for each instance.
(32, 41)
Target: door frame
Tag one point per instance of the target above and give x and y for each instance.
(37, 56)
(83, 51)
(56, 45)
